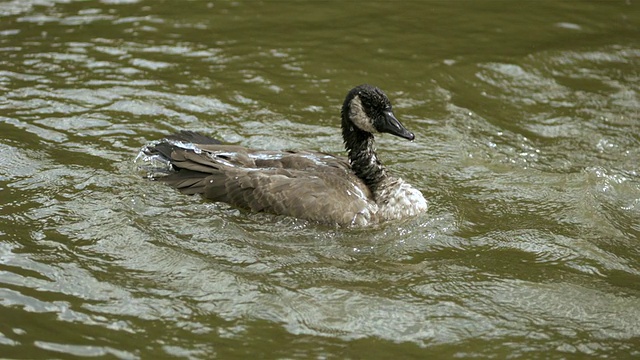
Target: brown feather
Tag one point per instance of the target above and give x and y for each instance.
(300, 184)
(303, 184)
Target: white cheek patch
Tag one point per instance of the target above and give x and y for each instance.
(359, 117)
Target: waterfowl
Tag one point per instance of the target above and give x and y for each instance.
(356, 190)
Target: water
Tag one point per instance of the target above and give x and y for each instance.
(526, 117)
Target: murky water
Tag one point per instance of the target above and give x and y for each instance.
(528, 148)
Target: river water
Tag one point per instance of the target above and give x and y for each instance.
(527, 125)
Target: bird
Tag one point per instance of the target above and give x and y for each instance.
(352, 191)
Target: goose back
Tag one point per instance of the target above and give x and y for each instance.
(309, 185)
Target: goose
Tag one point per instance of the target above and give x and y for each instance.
(320, 187)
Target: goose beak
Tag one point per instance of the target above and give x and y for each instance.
(392, 126)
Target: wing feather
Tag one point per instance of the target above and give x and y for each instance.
(293, 193)
(310, 185)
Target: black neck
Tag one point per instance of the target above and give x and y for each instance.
(362, 154)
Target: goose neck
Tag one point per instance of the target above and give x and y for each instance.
(362, 155)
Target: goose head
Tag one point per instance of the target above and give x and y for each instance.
(368, 109)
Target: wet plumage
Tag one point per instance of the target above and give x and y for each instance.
(316, 186)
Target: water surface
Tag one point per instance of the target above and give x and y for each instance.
(526, 117)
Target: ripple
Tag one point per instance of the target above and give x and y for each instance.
(526, 147)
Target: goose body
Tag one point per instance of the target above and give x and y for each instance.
(316, 186)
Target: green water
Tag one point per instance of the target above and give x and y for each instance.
(527, 125)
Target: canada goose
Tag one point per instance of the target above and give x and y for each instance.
(310, 185)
